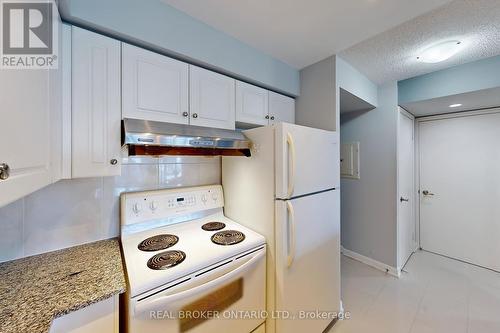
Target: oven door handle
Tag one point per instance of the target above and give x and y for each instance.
(164, 301)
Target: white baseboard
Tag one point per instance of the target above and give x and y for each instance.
(371, 262)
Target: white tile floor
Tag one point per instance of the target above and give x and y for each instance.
(435, 294)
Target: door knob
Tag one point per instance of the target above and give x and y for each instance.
(267, 117)
(4, 171)
(425, 192)
(404, 199)
(195, 115)
(114, 161)
(185, 114)
(272, 117)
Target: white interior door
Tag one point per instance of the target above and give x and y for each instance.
(307, 260)
(307, 160)
(406, 201)
(460, 187)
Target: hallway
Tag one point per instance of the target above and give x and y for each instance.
(434, 294)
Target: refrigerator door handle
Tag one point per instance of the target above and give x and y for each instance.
(291, 176)
(291, 234)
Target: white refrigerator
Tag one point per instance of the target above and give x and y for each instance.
(288, 190)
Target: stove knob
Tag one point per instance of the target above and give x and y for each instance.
(153, 205)
(204, 198)
(214, 196)
(137, 208)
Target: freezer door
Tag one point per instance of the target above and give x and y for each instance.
(308, 262)
(307, 160)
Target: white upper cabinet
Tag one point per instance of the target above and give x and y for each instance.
(25, 133)
(30, 126)
(96, 111)
(212, 99)
(65, 66)
(154, 86)
(281, 108)
(252, 106)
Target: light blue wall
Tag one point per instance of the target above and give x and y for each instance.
(154, 24)
(478, 75)
(369, 205)
(350, 79)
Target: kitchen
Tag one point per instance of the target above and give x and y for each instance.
(170, 177)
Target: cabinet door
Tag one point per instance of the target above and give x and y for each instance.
(155, 87)
(251, 104)
(97, 317)
(212, 98)
(30, 129)
(56, 85)
(24, 132)
(65, 66)
(281, 108)
(96, 113)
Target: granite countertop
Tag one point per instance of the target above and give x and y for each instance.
(37, 289)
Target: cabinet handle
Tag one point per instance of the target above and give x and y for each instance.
(114, 161)
(4, 171)
(185, 114)
(267, 117)
(195, 115)
(272, 117)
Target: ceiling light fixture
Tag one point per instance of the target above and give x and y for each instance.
(440, 52)
(455, 105)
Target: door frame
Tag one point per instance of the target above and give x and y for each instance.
(403, 113)
(418, 122)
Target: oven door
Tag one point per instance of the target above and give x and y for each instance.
(228, 297)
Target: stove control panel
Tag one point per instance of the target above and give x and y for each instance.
(139, 207)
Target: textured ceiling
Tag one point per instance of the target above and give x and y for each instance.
(480, 99)
(301, 32)
(392, 55)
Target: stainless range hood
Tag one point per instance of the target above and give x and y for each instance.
(157, 138)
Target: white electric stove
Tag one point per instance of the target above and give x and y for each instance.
(190, 268)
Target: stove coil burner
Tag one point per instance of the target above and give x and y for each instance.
(158, 242)
(165, 260)
(228, 237)
(213, 226)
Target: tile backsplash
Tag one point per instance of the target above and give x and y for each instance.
(77, 211)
